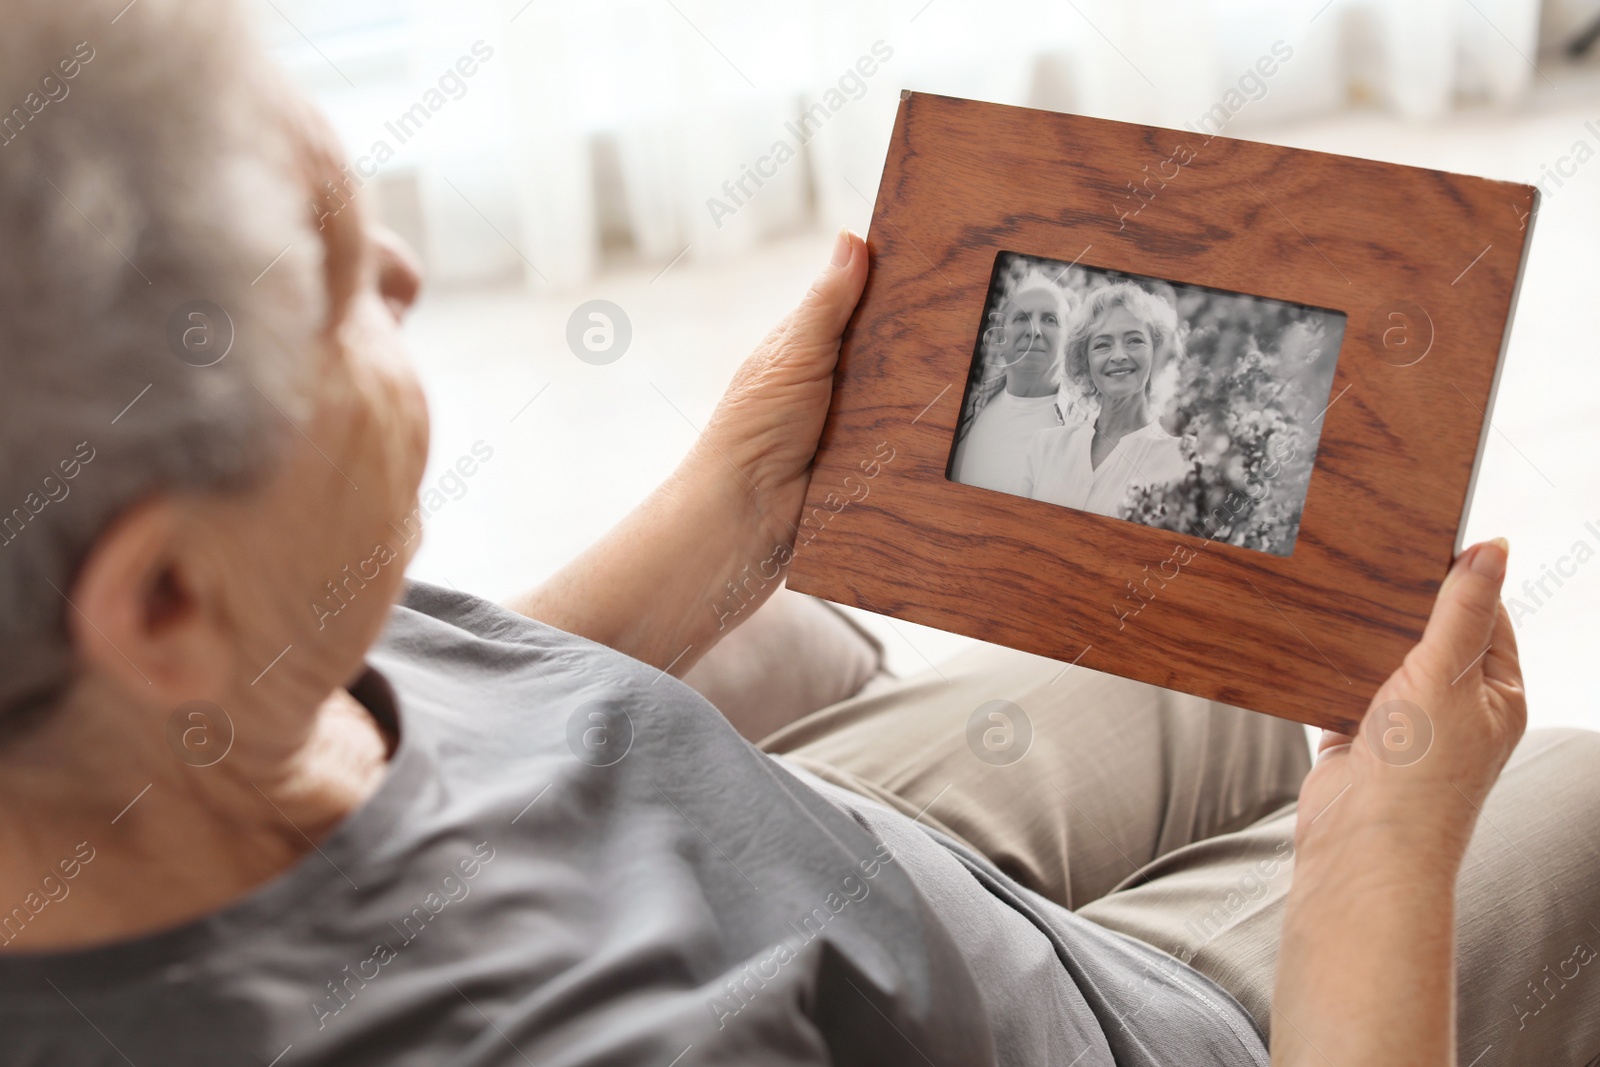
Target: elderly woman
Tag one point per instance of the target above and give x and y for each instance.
(238, 827)
(993, 451)
(1111, 351)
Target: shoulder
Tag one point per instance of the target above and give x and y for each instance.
(1161, 454)
(423, 604)
(1047, 447)
(503, 686)
(1153, 431)
(1055, 439)
(467, 637)
(457, 632)
(1155, 440)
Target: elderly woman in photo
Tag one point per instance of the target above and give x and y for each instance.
(1111, 351)
(994, 450)
(239, 827)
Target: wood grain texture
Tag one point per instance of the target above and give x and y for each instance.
(1309, 636)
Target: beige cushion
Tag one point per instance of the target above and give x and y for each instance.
(786, 659)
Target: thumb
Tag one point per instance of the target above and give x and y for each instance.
(821, 317)
(1464, 615)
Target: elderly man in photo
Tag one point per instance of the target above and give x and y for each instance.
(1025, 377)
(431, 829)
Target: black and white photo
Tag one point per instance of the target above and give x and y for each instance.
(1171, 405)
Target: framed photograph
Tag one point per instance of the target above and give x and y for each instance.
(1189, 409)
(1146, 399)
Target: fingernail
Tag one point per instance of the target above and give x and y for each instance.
(1489, 560)
(842, 247)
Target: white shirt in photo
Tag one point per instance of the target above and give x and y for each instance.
(994, 453)
(1059, 470)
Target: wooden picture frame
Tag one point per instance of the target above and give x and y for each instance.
(1423, 265)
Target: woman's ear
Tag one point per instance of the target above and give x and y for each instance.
(141, 614)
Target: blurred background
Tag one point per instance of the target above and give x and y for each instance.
(543, 154)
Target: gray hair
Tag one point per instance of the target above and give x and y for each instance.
(1036, 281)
(144, 166)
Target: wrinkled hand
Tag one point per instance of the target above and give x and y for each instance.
(695, 558)
(1438, 732)
(765, 430)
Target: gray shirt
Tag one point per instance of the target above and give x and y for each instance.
(574, 859)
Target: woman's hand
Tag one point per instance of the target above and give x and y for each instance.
(765, 430)
(1439, 730)
(1366, 967)
(708, 546)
